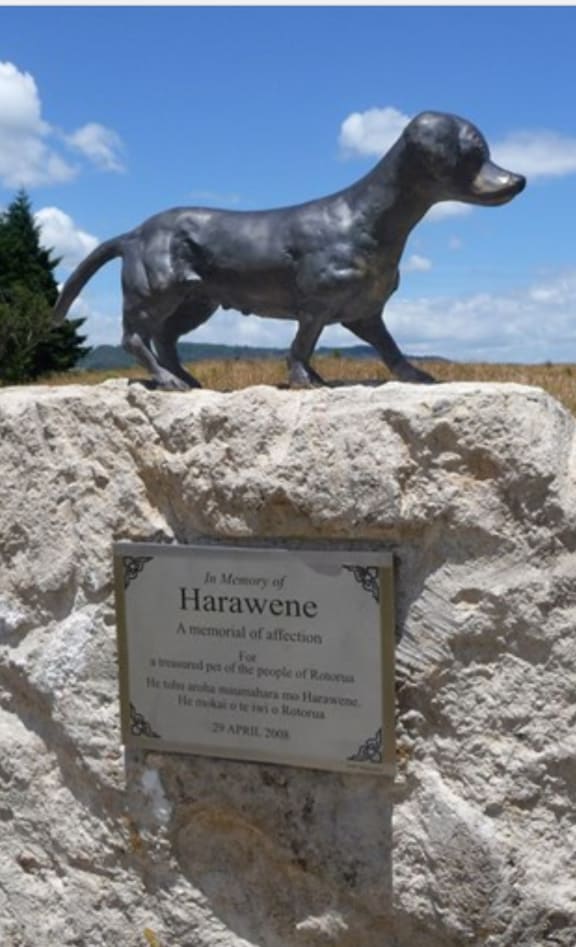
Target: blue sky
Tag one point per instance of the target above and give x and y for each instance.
(111, 114)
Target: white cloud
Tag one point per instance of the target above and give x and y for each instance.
(59, 233)
(454, 243)
(229, 327)
(99, 144)
(537, 153)
(30, 147)
(557, 293)
(372, 132)
(19, 102)
(26, 159)
(533, 324)
(416, 264)
(448, 209)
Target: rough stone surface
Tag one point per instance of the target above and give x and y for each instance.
(474, 489)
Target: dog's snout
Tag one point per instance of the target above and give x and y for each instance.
(495, 185)
(509, 182)
(518, 183)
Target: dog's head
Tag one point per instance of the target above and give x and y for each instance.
(452, 155)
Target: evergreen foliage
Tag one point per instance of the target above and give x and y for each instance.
(25, 324)
(30, 345)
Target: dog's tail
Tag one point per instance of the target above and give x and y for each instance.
(107, 251)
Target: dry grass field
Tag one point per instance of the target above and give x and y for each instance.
(558, 380)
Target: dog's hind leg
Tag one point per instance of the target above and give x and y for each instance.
(374, 332)
(188, 316)
(301, 372)
(136, 341)
(168, 358)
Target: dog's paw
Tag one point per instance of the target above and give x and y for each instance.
(168, 382)
(304, 376)
(418, 376)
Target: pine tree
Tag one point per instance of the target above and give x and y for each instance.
(26, 261)
(30, 345)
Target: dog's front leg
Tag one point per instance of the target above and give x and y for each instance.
(374, 332)
(301, 372)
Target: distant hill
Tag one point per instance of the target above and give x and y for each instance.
(104, 357)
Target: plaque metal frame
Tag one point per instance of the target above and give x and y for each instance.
(373, 571)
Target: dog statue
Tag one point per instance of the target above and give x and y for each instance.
(332, 260)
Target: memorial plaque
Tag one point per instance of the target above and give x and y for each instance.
(273, 655)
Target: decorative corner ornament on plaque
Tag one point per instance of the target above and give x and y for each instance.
(368, 577)
(370, 751)
(139, 726)
(133, 566)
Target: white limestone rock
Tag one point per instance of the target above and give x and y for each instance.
(474, 489)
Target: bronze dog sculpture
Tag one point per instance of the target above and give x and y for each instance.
(333, 260)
